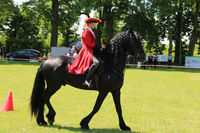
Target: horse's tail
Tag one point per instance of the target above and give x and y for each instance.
(38, 89)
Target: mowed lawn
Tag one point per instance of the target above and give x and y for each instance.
(158, 101)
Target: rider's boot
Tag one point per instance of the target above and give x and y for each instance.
(91, 71)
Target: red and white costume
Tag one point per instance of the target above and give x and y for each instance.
(83, 60)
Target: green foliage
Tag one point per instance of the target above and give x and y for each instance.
(144, 20)
(69, 15)
(29, 25)
(22, 32)
(7, 8)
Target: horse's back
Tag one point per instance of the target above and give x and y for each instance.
(57, 61)
(55, 68)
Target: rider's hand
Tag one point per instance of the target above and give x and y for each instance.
(103, 46)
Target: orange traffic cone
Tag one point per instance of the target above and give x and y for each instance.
(8, 104)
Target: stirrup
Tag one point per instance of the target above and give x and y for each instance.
(89, 84)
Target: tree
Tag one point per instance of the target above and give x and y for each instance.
(69, 16)
(176, 17)
(22, 32)
(178, 34)
(54, 23)
(110, 11)
(61, 28)
(194, 35)
(7, 9)
(166, 10)
(143, 16)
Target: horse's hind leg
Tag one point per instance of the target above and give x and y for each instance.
(116, 97)
(51, 89)
(99, 101)
(40, 117)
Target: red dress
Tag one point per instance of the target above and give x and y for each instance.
(83, 60)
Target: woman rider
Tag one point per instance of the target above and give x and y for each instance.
(85, 59)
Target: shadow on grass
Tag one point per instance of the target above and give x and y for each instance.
(95, 130)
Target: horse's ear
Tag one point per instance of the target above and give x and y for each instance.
(130, 31)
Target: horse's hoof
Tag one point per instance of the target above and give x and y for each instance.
(50, 122)
(42, 123)
(84, 126)
(125, 128)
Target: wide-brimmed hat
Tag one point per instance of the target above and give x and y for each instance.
(92, 20)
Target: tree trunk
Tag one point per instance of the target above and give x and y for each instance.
(99, 30)
(98, 34)
(109, 20)
(169, 35)
(54, 23)
(193, 38)
(178, 35)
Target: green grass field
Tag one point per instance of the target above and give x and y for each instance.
(162, 100)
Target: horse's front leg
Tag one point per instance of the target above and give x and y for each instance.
(116, 97)
(99, 101)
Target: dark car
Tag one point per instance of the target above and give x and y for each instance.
(24, 54)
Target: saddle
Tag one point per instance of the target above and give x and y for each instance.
(71, 59)
(96, 75)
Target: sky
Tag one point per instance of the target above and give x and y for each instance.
(19, 2)
(81, 24)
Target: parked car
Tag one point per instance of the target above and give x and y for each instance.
(24, 54)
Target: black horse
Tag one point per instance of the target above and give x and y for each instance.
(109, 78)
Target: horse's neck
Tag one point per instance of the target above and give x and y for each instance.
(119, 64)
(115, 62)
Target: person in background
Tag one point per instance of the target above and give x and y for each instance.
(150, 60)
(128, 61)
(155, 61)
(3, 51)
(170, 57)
(73, 51)
(143, 64)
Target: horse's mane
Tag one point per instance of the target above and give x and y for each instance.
(117, 43)
(117, 47)
(114, 47)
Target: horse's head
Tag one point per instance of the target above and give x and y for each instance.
(128, 41)
(134, 46)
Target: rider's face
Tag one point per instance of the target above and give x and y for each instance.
(92, 25)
